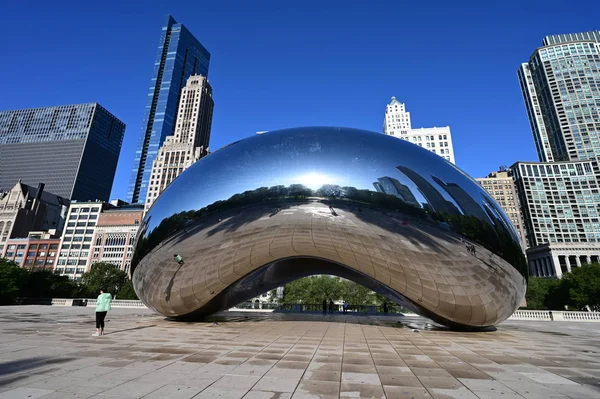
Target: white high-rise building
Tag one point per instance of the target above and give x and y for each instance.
(190, 142)
(77, 238)
(436, 139)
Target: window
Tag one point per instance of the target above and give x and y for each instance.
(42, 253)
(31, 254)
(21, 246)
(85, 209)
(42, 246)
(53, 246)
(33, 246)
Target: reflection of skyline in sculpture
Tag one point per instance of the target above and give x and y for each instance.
(389, 185)
(466, 203)
(246, 221)
(435, 201)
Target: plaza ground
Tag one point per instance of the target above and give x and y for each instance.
(48, 352)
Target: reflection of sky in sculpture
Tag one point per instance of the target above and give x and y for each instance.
(344, 157)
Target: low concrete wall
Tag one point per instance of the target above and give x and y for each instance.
(536, 315)
(117, 303)
(555, 315)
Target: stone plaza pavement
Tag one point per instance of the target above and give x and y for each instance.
(48, 352)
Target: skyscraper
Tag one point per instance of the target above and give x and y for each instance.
(561, 89)
(180, 55)
(436, 139)
(191, 139)
(72, 149)
(559, 195)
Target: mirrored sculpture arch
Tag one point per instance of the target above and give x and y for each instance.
(372, 208)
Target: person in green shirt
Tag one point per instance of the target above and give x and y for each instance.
(102, 307)
(178, 259)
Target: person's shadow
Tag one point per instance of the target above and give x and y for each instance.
(170, 285)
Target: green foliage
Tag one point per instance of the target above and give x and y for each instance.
(576, 290)
(12, 279)
(583, 285)
(127, 291)
(17, 282)
(45, 284)
(538, 289)
(315, 289)
(104, 276)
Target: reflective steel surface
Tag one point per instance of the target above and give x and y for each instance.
(372, 208)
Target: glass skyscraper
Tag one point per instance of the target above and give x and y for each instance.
(561, 88)
(72, 149)
(180, 55)
(559, 196)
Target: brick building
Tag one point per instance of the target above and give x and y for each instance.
(38, 250)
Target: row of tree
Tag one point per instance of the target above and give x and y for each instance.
(17, 282)
(576, 290)
(315, 289)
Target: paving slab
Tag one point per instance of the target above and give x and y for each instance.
(48, 352)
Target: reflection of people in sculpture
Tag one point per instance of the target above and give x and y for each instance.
(324, 306)
(180, 262)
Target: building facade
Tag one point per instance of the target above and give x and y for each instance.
(38, 251)
(72, 149)
(191, 139)
(501, 186)
(24, 209)
(115, 234)
(559, 196)
(435, 139)
(561, 88)
(180, 55)
(560, 203)
(78, 237)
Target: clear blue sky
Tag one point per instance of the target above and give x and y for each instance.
(278, 64)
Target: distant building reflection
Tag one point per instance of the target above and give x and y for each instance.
(389, 185)
(467, 204)
(435, 201)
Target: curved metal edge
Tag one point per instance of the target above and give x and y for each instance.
(283, 271)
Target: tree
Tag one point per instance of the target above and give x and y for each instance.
(103, 276)
(127, 291)
(315, 289)
(45, 284)
(583, 287)
(12, 279)
(538, 290)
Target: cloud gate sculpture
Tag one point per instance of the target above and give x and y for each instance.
(368, 207)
